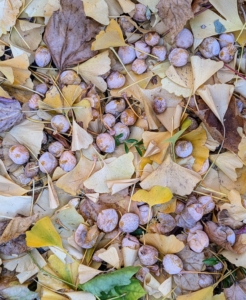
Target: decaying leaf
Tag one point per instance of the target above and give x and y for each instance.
(63, 36)
(10, 113)
(175, 14)
(180, 180)
(157, 195)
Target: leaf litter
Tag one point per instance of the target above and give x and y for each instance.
(122, 149)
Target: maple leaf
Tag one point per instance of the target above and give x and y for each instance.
(69, 34)
(175, 14)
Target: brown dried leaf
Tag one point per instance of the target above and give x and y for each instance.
(10, 113)
(192, 261)
(16, 227)
(217, 235)
(175, 14)
(69, 34)
(236, 291)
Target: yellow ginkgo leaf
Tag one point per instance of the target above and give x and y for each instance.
(67, 272)
(157, 195)
(198, 138)
(204, 294)
(164, 244)
(43, 234)
(111, 37)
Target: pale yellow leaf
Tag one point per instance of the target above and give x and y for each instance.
(97, 10)
(111, 37)
(11, 206)
(19, 66)
(227, 162)
(118, 185)
(8, 13)
(166, 286)
(83, 112)
(29, 134)
(49, 295)
(158, 138)
(72, 182)
(127, 5)
(86, 273)
(53, 197)
(92, 69)
(204, 294)
(111, 257)
(203, 24)
(121, 168)
(173, 87)
(164, 244)
(203, 69)
(81, 139)
(180, 180)
(151, 286)
(217, 97)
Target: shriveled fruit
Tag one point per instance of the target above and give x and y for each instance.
(47, 163)
(107, 220)
(19, 154)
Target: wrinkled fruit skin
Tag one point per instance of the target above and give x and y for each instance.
(148, 255)
(107, 220)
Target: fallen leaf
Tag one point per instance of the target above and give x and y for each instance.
(204, 294)
(9, 11)
(111, 37)
(72, 182)
(206, 19)
(198, 138)
(111, 257)
(81, 139)
(92, 70)
(10, 113)
(67, 272)
(86, 273)
(121, 168)
(43, 234)
(175, 14)
(158, 138)
(63, 34)
(16, 227)
(236, 291)
(217, 97)
(157, 195)
(16, 69)
(164, 244)
(180, 180)
(227, 162)
(97, 10)
(203, 69)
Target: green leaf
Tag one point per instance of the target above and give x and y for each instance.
(131, 141)
(106, 282)
(133, 291)
(211, 261)
(173, 139)
(126, 148)
(139, 151)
